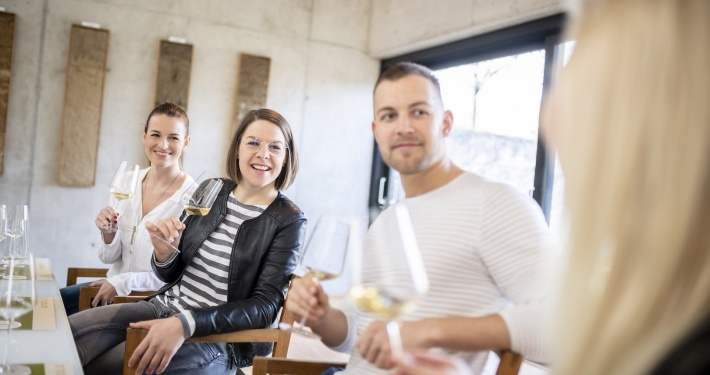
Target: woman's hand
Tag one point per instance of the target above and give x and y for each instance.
(106, 293)
(307, 298)
(171, 230)
(107, 222)
(165, 336)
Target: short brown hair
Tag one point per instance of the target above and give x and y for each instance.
(403, 69)
(290, 169)
(170, 110)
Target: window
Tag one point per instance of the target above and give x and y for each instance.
(494, 84)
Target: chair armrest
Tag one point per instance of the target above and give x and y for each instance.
(73, 273)
(266, 365)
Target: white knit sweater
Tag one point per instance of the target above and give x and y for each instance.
(486, 249)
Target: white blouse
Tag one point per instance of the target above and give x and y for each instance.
(131, 263)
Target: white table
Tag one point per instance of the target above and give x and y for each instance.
(55, 346)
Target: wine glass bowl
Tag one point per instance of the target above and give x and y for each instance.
(197, 200)
(324, 257)
(123, 186)
(16, 299)
(13, 224)
(395, 276)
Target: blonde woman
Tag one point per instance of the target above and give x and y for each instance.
(631, 124)
(630, 119)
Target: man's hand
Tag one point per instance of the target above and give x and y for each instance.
(169, 229)
(105, 295)
(307, 298)
(374, 344)
(165, 336)
(429, 364)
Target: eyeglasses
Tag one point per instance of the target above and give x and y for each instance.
(275, 148)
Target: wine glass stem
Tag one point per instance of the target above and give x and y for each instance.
(8, 340)
(302, 322)
(395, 339)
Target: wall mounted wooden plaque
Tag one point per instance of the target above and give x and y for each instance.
(83, 95)
(7, 36)
(252, 85)
(173, 78)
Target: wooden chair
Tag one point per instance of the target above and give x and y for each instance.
(87, 294)
(280, 338)
(73, 273)
(509, 365)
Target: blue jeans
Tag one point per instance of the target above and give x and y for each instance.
(97, 331)
(70, 297)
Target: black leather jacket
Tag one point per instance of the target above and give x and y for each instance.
(264, 256)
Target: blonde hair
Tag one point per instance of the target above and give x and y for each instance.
(633, 138)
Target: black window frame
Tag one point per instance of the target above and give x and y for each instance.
(544, 33)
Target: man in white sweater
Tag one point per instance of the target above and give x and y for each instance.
(485, 246)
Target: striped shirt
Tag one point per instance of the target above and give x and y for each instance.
(486, 249)
(204, 281)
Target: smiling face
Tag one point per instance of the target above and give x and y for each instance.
(165, 139)
(260, 168)
(410, 124)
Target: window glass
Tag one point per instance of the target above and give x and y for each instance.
(496, 107)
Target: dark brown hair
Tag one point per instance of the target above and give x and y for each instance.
(290, 169)
(170, 110)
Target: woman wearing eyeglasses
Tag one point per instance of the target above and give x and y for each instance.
(231, 272)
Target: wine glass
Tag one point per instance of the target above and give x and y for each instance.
(16, 299)
(123, 186)
(395, 276)
(324, 257)
(197, 200)
(13, 224)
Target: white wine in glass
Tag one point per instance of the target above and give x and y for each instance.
(394, 277)
(123, 186)
(125, 181)
(324, 257)
(197, 200)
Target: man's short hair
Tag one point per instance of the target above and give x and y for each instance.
(403, 69)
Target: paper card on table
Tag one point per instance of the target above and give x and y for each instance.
(50, 369)
(43, 269)
(43, 315)
(41, 318)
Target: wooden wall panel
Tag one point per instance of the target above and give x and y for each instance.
(252, 85)
(7, 36)
(83, 96)
(173, 78)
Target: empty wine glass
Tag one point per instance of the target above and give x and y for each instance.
(324, 257)
(393, 278)
(197, 200)
(123, 186)
(16, 299)
(13, 224)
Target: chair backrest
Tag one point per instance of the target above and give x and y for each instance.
(87, 294)
(73, 273)
(509, 365)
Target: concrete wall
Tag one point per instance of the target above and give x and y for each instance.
(401, 26)
(321, 80)
(324, 60)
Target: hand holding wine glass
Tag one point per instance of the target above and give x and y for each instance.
(324, 258)
(393, 279)
(123, 186)
(197, 200)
